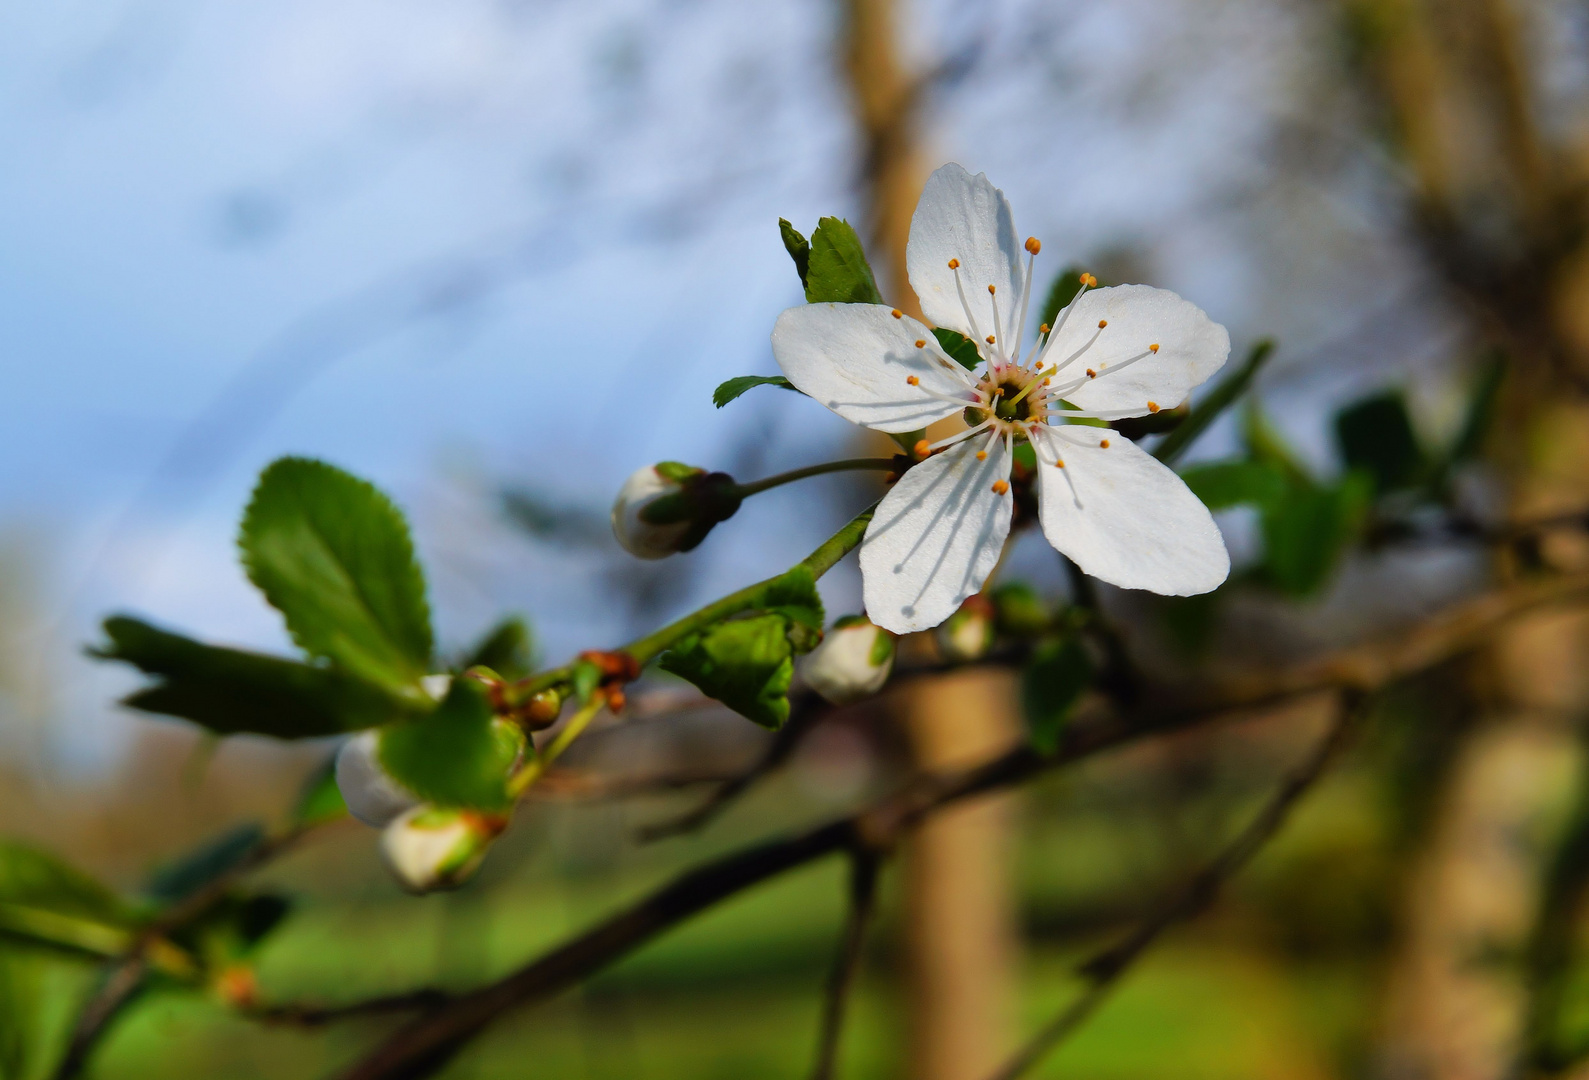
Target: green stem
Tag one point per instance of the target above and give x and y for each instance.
(646, 648)
(543, 760)
(1218, 400)
(746, 490)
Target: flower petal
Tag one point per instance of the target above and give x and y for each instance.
(1191, 348)
(964, 217)
(856, 358)
(936, 536)
(1129, 520)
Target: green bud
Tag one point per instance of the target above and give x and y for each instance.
(670, 507)
(430, 848)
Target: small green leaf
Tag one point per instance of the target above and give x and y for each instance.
(458, 755)
(736, 386)
(1051, 684)
(586, 677)
(797, 247)
(36, 879)
(1065, 286)
(1265, 444)
(1480, 414)
(1375, 434)
(838, 272)
(1236, 483)
(230, 691)
(188, 874)
(320, 800)
(333, 555)
(232, 930)
(1306, 531)
(794, 595)
(507, 649)
(747, 664)
(961, 349)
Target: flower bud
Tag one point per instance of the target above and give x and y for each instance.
(853, 661)
(967, 635)
(1019, 611)
(372, 794)
(431, 848)
(669, 507)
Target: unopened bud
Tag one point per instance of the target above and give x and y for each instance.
(853, 661)
(967, 635)
(1019, 612)
(372, 794)
(431, 848)
(542, 710)
(666, 508)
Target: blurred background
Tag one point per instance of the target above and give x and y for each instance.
(496, 254)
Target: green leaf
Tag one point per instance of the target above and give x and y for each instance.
(736, 386)
(37, 879)
(40, 995)
(1375, 435)
(234, 928)
(333, 555)
(747, 664)
(961, 349)
(1065, 286)
(1236, 483)
(458, 755)
(838, 272)
(230, 691)
(1214, 404)
(1480, 413)
(215, 858)
(507, 649)
(1306, 531)
(1264, 444)
(794, 595)
(320, 800)
(797, 247)
(1053, 680)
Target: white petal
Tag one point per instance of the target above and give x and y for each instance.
(855, 358)
(964, 217)
(1137, 524)
(372, 794)
(936, 537)
(1191, 348)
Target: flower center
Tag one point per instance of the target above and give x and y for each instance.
(1019, 396)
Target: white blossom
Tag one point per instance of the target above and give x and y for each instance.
(431, 848)
(1113, 353)
(639, 537)
(852, 662)
(372, 794)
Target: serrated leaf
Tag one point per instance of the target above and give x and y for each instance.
(1375, 435)
(507, 649)
(798, 248)
(733, 388)
(189, 873)
(1051, 683)
(838, 272)
(1224, 484)
(456, 756)
(333, 555)
(229, 691)
(747, 664)
(961, 349)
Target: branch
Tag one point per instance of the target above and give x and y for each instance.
(427, 1043)
(1104, 969)
(864, 866)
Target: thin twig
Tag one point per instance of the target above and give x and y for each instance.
(1104, 969)
(864, 865)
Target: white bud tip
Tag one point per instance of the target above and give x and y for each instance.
(371, 793)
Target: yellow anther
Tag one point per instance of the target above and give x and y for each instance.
(954, 264)
(990, 339)
(921, 449)
(1059, 463)
(1033, 244)
(1153, 348)
(1047, 381)
(1152, 407)
(1043, 329)
(1102, 323)
(898, 314)
(982, 455)
(1103, 444)
(1088, 281)
(991, 290)
(1000, 487)
(921, 343)
(913, 381)
(1091, 374)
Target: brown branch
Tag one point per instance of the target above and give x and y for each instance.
(424, 1045)
(1104, 969)
(864, 866)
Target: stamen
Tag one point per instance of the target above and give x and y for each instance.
(1033, 246)
(1091, 374)
(1103, 444)
(898, 314)
(954, 264)
(1075, 355)
(971, 320)
(1102, 323)
(1152, 407)
(991, 290)
(989, 339)
(994, 300)
(913, 381)
(1121, 366)
(1043, 329)
(1153, 348)
(921, 449)
(982, 455)
(921, 343)
(1000, 487)
(1087, 282)
(960, 436)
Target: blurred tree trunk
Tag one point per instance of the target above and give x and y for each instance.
(959, 908)
(1499, 214)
